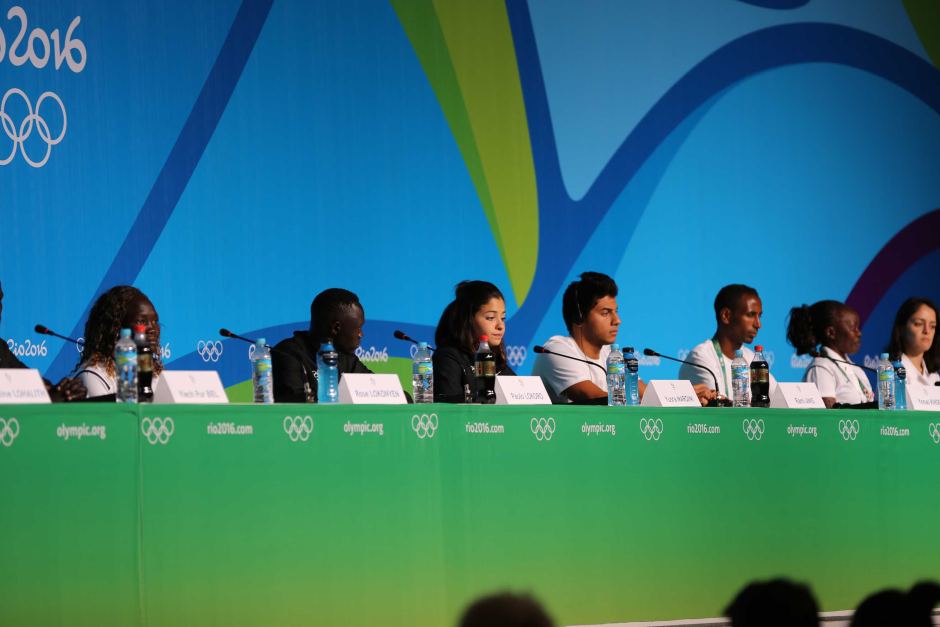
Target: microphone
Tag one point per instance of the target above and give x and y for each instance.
(43, 329)
(308, 393)
(649, 352)
(401, 335)
(816, 353)
(542, 349)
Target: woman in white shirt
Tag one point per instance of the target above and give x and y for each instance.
(121, 307)
(834, 328)
(913, 336)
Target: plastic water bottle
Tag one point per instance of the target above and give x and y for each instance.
(633, 376)
(125, 368)
(740, 380)
(327, 374)
(262, 376)
(760, 379)
(885, 383)
(484, 362)
(616, 377)
(422, 380)
(900, 384)
(144, 365)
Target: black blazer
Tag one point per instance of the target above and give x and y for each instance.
(453, 368)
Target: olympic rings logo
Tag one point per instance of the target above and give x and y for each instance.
(934, 430)
(19, 134)
(157, 429)
(424, 425)
(753, 429)
(542, 428)
(849, 429)
(209, 351)
(651, 428)
(9, 430)
(298, 428)
(515, 355)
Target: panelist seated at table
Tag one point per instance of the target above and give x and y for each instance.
(913, 336)
(478, 310)
(833, 327)
(68, 389)
(738, 310)
(335, 315)
(121, 307)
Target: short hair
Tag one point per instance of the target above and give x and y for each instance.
(505, 610)
(729, 295)
(327, 307)
(806, 324)
(581, 296)
(896, 343)
(774, 603)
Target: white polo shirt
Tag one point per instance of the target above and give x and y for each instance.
(705, 354)
(918, 377)
(560, 373)
(845, 383)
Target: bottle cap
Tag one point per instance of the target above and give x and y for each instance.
(140, 328)
(884, 355)
(260, 341)
(422, 345)
(615, 347)
(484, 338)
(629, 349)
(739, 353)
(759, 348)
(125, 332)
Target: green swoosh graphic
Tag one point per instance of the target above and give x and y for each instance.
(925, 16)
(467, 52)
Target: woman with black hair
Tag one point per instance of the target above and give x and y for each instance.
(914, 338)
(478, 310)
(121, 307)
(834, 328)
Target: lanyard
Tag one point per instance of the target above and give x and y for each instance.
(861, 386)
(721, 363)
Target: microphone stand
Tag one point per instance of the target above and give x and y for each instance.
(718, 401)
(308, 392)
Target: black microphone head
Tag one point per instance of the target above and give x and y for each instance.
(226, 333)
(649, 352)
(39, 328)
(538, 349)
(399, 335)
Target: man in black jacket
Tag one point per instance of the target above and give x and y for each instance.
(335, 314)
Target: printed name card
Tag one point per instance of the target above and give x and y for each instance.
(670, 394)
(189, 386)
(371, 389)
(797, 396)
(22, 386)
(521, 391)
(923, 397)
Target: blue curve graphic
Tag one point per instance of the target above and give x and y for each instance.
(182, 161)
(746, 56)
(776, 4)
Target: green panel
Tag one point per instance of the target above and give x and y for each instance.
(69, 517)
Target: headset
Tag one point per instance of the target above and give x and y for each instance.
(577, 304)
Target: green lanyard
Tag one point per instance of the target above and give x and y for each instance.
(721, 362)
(861, 385)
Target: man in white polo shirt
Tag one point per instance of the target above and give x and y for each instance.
(738, 310)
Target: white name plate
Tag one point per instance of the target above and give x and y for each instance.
(22, 386)
(665, 393)
(923, 397)
(796, 396)
(189, 386)
(371, 389)
(521, 391)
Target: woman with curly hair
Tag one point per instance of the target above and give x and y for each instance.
(121, 307)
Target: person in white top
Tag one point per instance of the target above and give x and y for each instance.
(589, 308)
(914, 337)
(738, 310)
(834, 327)
(121, 307)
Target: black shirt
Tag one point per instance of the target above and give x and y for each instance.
(7, 358)
(289, 375)
(453, 368)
